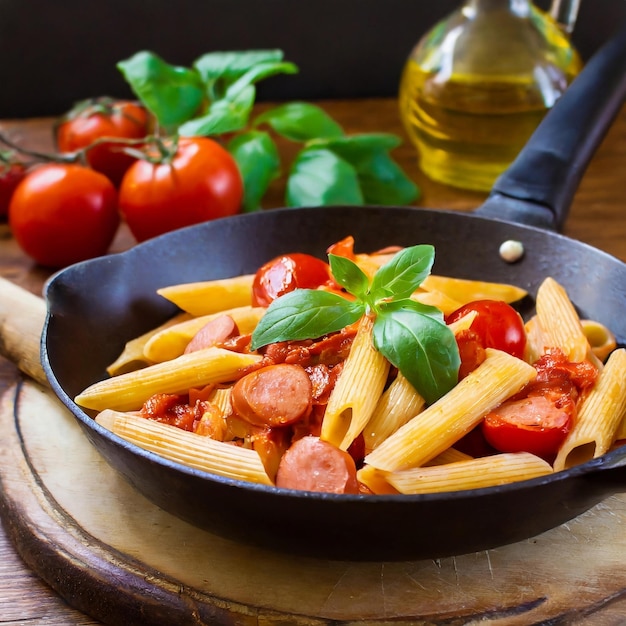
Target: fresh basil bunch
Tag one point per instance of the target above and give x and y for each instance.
(412, 336)
(216, 96)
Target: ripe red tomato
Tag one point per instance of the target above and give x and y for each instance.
(287, 273)
(533, 424)
(92, 120)
(497, 324)
(61, 214)
(200, 182)
(10, 175)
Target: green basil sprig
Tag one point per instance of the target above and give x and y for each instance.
(216, 96)
(412, 336)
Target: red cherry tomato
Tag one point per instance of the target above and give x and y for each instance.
(200, 182)
(497, 324)
(10, 175)
(92, 120)
(287, 273)
(61, 214)
(534, 424)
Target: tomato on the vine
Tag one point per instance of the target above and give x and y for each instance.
(64, 213)
(286, 273)
(497, 324)
(92, 120)
(199, 182)
(11, 174)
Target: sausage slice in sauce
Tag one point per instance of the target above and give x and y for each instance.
(276, 395)
(311, 464)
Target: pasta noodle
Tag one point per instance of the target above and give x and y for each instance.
(203, 298)
(360, 384)
(133, 356)
(445, 422)
(599, 416)
(498, 469)
(196, 451)
(560, 323)
(465, 291)
(400, 402)
(128, 392)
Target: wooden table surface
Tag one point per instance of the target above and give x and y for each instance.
(597, 217)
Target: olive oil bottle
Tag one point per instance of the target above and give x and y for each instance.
(477, 85)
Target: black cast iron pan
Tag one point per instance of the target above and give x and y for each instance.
(94, 307)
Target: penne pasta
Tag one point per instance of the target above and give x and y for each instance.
(600, 338)
(128, 392)
(220, 397)
(212, 296)
(559, 322)
(184, 447)
(357, 391)
(488, 471)
(464, 291)
(437, 299)
(171, 342)
(397, 405)
(375, 480)
(599, 416)
(536, 340)
(133, 356)
(451, 455)
(445, 422)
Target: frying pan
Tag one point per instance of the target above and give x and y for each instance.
(96, 306)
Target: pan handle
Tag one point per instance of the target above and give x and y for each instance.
(538, 188)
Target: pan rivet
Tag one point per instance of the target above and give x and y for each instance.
(511, 251)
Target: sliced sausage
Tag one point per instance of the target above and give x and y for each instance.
(311, 464)
(213, 333)
(276, 395)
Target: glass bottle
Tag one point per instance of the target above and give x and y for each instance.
(476, 85)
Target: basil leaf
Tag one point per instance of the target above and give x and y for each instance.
(259, 163)
(349, 275)
(300, 121)
(218, 70)
(382, 180)
(233, 64)
(304, 314)
(413, 305)
(319, 177)
(224, 116)
(173, 94)
(423, 349)
(257, 73)
(406, 271)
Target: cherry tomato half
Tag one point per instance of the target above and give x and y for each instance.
(61, 214)
(497, 324)
(287, 273)
(92, 120)
(200, 182)
(534, 424)
(10, 175)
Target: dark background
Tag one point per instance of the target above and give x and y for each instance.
(55, 52)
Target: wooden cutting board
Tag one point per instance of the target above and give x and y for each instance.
(115, 556)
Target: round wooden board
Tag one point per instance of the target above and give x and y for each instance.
(115, 556)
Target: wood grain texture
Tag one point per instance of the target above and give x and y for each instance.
(597, 217)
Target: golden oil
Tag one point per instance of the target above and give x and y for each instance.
(476, 87)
